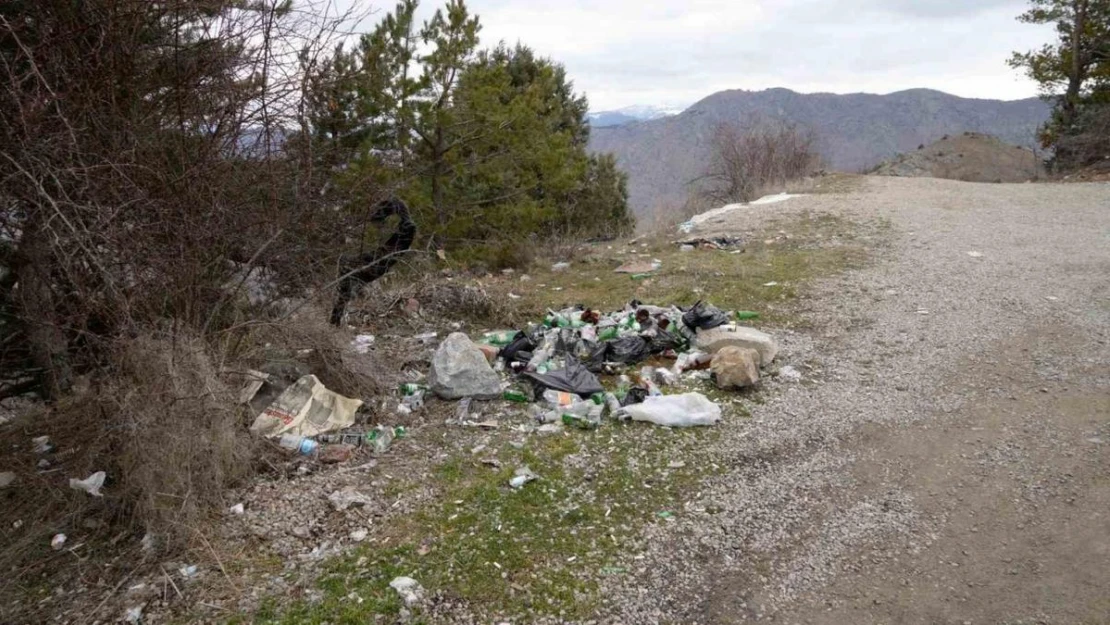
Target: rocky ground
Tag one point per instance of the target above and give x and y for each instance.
(947, 459)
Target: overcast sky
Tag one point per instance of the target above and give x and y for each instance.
(675, 52)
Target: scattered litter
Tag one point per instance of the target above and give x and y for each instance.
(613, 570)
(676, 464)
(298, 444)
(687, 248)
(362, 343)
(335, 454)
(559, 267)
(688, 226)
(349, 497)
(359, 535)
(58, 542)
(134, 615)
(382, 437)
(770, 284)
(149, 542)
(306, 408)
(237, 509)
(522, 476)
(514, 296)
(665, 515)
(923, 311)
(712, 243)
(746, 315)
(410, 590)
(1052, 299)
(255, 380)
(188, 571)
(688, 410)
(6, 479)
(91, 484)
(42, 444)
(426, 338)
(975, 254)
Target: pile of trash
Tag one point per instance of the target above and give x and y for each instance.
(555, 365)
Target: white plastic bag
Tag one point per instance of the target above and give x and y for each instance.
(676, 411)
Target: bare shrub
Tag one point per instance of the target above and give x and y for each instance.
(746, 162)
(142, 184)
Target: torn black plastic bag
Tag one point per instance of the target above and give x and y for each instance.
(516, 350)
(627, 350)
(575, 378)
(702, 316)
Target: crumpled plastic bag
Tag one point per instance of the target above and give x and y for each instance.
(91, 484)
(575, 378)
(676, 411)
(702, 316)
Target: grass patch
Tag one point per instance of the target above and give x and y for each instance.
(812, 247)
(489, 552)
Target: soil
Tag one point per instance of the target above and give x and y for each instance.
(970, 157)
(947, 458)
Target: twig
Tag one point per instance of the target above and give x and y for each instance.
(170, 580)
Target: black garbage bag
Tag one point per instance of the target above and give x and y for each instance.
(627, 350)
(516, 350)
(575, 378)
(702, 316)
(663, 341)
(594, 357)
(636, 395)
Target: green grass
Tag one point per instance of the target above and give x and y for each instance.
(818, 246)
(499, 553)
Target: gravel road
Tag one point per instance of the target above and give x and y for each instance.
(946, 458)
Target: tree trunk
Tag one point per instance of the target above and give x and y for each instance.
(37, 305)
(1077, 73)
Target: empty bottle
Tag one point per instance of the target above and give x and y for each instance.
(300, 444)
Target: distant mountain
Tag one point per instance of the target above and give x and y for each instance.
(629, 114)
(855, 132)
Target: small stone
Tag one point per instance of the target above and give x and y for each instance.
(736, 367)
(410, 590)
(302, 531)
(336, 454)
(347, 498)
(6, 479)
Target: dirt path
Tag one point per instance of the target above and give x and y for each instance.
(947, 459)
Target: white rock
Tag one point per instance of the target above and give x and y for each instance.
(410, 590)
(134, 615)
(237, 509)
(790, 374)
(712, 341)
(58, 541)
(359, 535)
(349, 497)
(460, 369)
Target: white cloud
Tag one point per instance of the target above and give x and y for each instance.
(623, 52)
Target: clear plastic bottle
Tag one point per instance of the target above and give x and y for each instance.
(301, 444)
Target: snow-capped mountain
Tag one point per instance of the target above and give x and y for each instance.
(628, 114)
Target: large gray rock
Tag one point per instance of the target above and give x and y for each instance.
(715, 340)
(736, 367)
(459, 369)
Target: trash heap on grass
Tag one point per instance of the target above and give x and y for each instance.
(555, 364)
